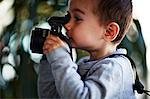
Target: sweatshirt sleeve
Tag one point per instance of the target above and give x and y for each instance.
(46, 85)
(69, 84)
(64, 71)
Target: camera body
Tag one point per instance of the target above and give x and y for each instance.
(38, 35)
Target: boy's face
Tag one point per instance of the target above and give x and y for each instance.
(84, 28)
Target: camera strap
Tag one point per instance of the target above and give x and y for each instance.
(62, 37)
(138, 86)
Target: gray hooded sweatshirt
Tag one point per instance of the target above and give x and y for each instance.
(107, 78)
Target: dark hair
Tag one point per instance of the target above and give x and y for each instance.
(119, 11)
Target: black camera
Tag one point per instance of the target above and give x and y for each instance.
(38, 35)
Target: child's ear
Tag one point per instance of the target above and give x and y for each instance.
(112, 31)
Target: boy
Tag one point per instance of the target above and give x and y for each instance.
(96, 26)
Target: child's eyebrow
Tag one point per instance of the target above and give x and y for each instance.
(78, 10)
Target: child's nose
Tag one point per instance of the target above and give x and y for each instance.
(68, 26)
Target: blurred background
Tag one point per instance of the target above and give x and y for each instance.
(19, 66)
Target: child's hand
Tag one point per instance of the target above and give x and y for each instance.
(51, 43)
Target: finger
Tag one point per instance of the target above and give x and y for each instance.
(52, 37)
(50, 45)
(55, 39)
(49, 48)
(49, 41)
(48, 36)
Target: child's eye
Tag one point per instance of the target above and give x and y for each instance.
(77, 18)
